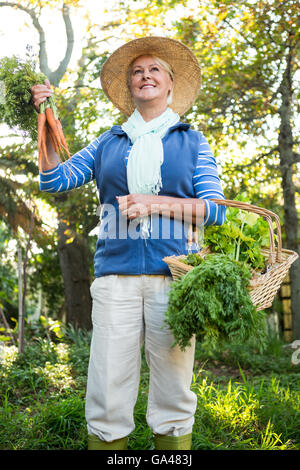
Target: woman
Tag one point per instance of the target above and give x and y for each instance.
(155, 176)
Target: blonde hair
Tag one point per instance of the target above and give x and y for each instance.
(164, 65)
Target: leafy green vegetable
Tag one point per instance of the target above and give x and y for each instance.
(192, 259)
(17, 76)
(241, 237)
(212, 301)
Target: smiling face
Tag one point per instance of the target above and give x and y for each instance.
(149, 82)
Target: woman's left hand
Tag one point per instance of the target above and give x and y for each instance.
(188, 210)
(137, 205)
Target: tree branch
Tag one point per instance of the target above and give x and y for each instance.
(43, 58)
(255, 160)
(54, 76)
(57, 75)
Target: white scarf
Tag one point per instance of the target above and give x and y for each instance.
(146, 155)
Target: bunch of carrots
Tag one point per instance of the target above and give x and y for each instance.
(49, 124)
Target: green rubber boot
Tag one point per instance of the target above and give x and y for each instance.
(94, 443)
(173, 442)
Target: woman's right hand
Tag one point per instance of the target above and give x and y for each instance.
(40, 93)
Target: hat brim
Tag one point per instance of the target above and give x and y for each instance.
(187, 72)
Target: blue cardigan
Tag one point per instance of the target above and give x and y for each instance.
(189, 170)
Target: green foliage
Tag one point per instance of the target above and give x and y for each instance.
(212, 302)
(8, 275)
(233, 416)
(241, 237)
(42, 397)
(231, 356)
(18, 159)
(16, 109)
(46, 275)
(192, 259)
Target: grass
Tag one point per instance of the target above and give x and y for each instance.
(247, 400)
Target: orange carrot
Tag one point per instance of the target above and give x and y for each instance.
(62, 137)
(52, 125)
(64, 144)
(42, 135)
(58, 134)
(40, 160)
(41, 125)
(54, 142)
(44, 144)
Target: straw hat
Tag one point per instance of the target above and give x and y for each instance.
(185, 66)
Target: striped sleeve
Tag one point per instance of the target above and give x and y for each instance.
(78, 170)
(207, 184)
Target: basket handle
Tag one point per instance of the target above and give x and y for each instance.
(274, 254)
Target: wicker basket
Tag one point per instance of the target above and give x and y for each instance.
(263, 286)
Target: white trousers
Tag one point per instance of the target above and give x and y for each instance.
(129, 311)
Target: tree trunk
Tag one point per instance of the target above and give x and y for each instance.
(73, 255)
(290, 211)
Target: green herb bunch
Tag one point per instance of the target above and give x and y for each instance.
(212, 302)
(17, 77)
(241, 237)
(192, 259)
